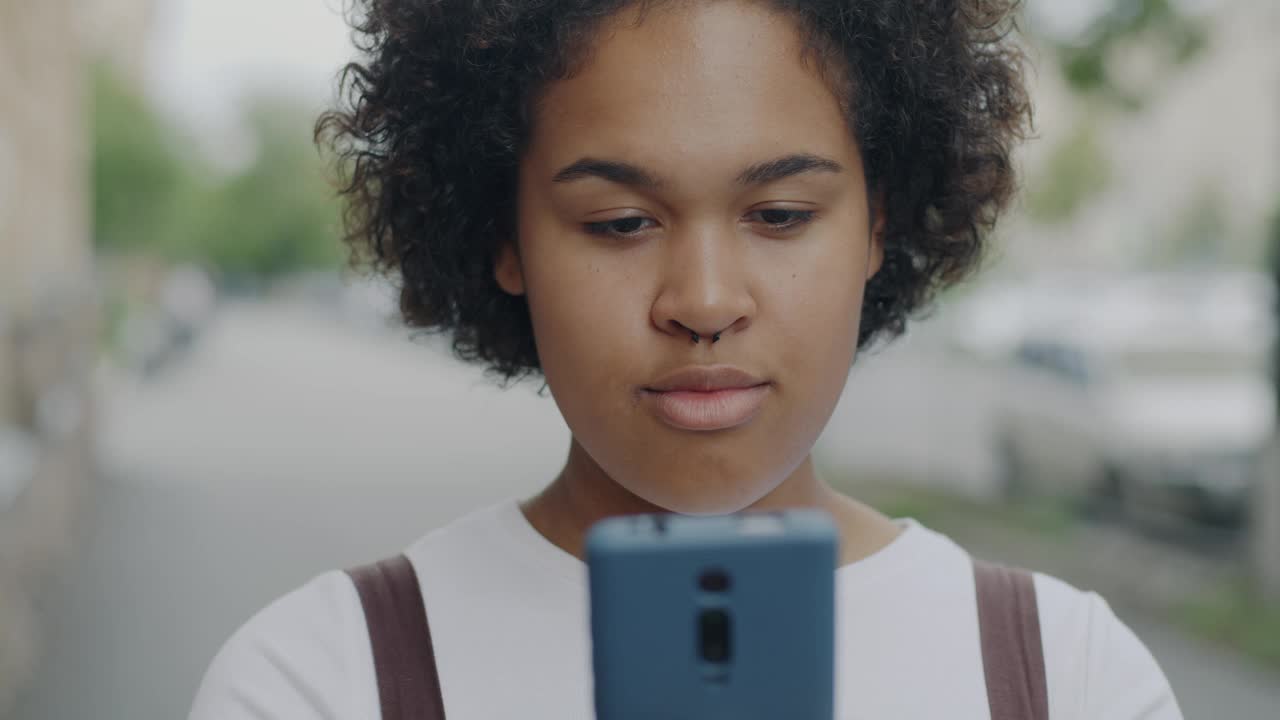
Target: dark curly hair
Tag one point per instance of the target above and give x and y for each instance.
(433, 122)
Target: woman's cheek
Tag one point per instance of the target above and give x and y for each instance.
(820, 319)
(582, 312)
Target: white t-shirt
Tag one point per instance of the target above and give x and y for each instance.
(509, 621)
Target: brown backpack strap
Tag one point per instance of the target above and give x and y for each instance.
(1012, 655)
(405, 663)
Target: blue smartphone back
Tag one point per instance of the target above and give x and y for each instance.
(704, 618)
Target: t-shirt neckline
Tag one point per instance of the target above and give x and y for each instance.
(894, 557)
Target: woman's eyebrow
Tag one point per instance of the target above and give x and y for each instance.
(760, 173)
(785, 167)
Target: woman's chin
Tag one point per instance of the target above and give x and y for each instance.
(709, 500)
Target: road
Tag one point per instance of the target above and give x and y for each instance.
(290, 444)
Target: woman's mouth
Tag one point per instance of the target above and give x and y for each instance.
(706, 398)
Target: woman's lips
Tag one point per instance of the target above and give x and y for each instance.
(707, 410)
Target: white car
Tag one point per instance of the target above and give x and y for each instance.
(1156, 394)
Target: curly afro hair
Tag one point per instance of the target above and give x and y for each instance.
(432, 123)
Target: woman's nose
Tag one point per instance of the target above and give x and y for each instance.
(704, 292)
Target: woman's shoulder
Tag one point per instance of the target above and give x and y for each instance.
(304, 655)
(307, 654)
(1096, 667)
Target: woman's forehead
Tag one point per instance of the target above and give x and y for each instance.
(716, 81)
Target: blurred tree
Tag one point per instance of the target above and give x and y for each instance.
(150, 198)
(1114, 63)
(138, 179)
(1274, 249)
(1076, 170)
(279, 214)
(1266, 552)
(1106, 58)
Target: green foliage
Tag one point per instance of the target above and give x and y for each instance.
(276, 216)
(1237, 617)
(138, 179)
(1088, 62)
(1115, 64)
(1273, 241)
(1076, 171)
(951, 512)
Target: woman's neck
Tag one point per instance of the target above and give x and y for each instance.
(583, 494)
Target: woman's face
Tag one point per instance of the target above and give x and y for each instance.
(695, 176)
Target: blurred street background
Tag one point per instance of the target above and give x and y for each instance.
(200, 408)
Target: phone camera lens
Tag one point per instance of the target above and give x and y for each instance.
(714, 580)
(714, 636)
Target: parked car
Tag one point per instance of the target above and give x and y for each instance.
(1048, 439)
(1155, 398)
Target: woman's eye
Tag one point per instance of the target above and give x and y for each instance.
(779, 219)
(622, 227)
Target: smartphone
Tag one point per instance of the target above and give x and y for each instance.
(710, 618)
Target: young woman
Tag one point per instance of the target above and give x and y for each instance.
(686, 216)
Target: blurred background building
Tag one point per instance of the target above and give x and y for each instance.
(47, 317)
(1099, 403)
(118, 32)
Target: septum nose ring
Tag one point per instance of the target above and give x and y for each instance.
(698, 338)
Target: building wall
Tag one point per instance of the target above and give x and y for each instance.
(119, 32)
(47, 316)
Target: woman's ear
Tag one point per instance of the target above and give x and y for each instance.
(507, 270)
(875, 248)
